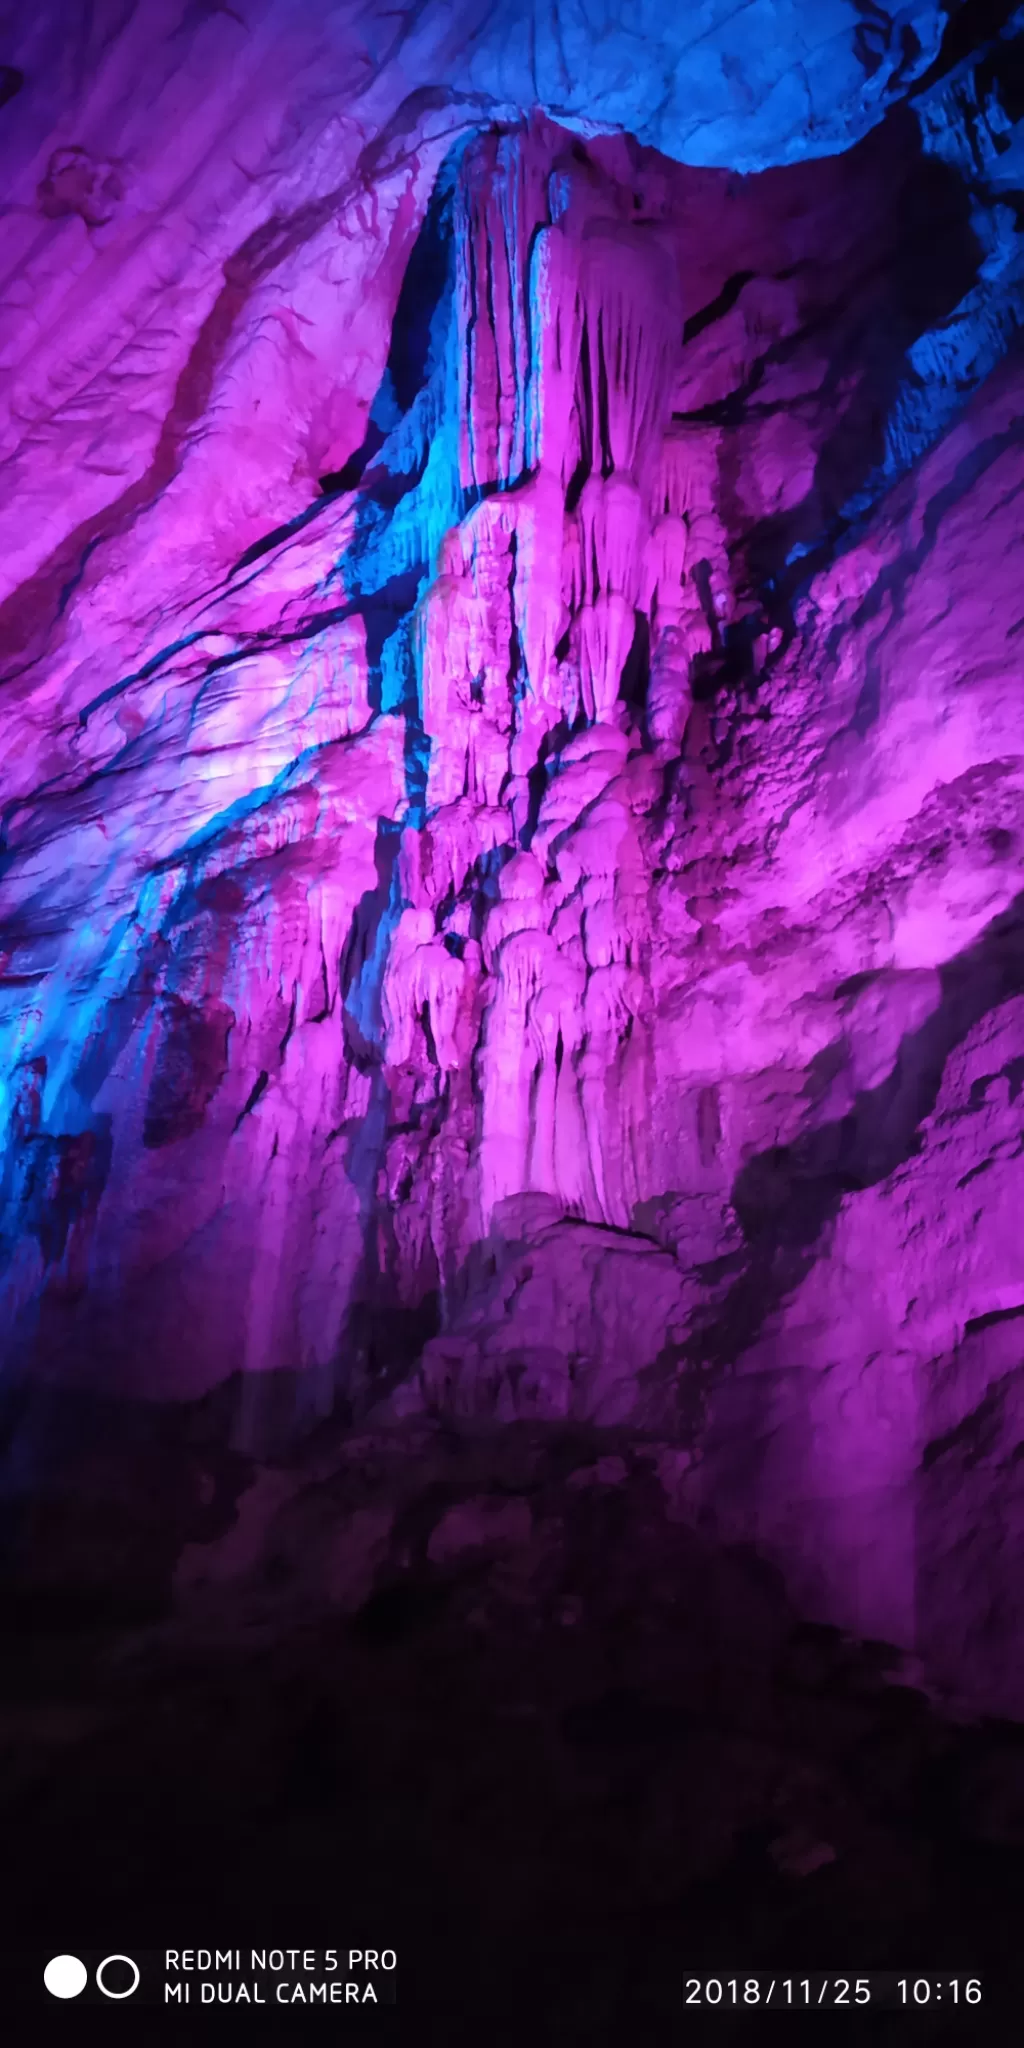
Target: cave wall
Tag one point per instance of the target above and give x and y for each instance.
(512, 848)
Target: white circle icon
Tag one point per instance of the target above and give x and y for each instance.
(100, 1967)
(65, 1977)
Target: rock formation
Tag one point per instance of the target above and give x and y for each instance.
(513, 854)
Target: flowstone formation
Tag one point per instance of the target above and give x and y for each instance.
(512, 847)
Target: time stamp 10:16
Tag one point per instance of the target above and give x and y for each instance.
(881, 1989)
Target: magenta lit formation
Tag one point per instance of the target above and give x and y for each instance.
(512, 861)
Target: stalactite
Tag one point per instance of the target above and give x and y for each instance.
(606, 630)
(632, 313)
(556, 331)
(500, 203)
(554, 519)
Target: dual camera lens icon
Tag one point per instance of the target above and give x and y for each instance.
(66, 1977)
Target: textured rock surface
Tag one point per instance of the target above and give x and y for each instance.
(512, 839)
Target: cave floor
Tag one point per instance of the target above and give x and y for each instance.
(487, 1702)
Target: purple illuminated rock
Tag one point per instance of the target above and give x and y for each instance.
(512, 789)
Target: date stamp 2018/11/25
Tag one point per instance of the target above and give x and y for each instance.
(883, 1990)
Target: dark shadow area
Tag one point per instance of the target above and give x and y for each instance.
(1003, 70)
(97, 1496)
(564, 1753)
(720, 305)
(427, 281)
(348, 478)
(362, 962)
(383, 1339)
(971, 24)
(929, 268)
(636, 675)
